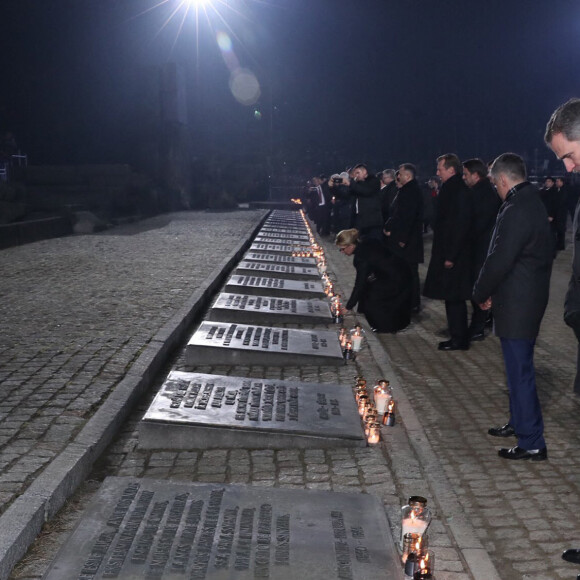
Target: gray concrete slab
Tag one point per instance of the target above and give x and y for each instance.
(285, 249)
(258, 256)
(223, 343)
(142, 528)
(266, 310)
(288, 271)
(274, 286)
(202, 411)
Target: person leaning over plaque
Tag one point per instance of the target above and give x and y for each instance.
(383, 285)
(515, 281)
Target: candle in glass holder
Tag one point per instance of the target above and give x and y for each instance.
(374, 433)
(362, 404)
(356, 335)
(415, 517)
(389, 416)
(383, 395)
(425, 566)
(409, 543)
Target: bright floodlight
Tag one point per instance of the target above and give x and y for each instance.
(196, 3)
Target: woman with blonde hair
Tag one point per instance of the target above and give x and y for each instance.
(383, 284)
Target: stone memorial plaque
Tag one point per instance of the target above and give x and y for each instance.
(146, 528)
(266, 286)
(281, 270)
(279, 259)
(286, 234)
(276, 248)
(200, 411)
(269, 310)
(303, 244)
(232, 344)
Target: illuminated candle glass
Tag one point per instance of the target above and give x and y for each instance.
(425, 566)
(356, 335)
(383, 395)
(362, 404)
(374, 433)
(415, 517)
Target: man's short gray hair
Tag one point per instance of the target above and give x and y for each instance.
(511, 165)
(566, 120)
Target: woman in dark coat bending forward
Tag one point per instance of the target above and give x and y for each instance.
(383, 285)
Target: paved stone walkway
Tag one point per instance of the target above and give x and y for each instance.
(522, 515)
(76, 312)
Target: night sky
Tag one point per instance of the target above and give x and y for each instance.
(384, 81)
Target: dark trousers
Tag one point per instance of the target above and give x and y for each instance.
(525, 410)
(457, 319)
(416, 295)
(478, 319)
(577, 379)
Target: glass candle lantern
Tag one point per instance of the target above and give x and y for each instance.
(425, 566)
(359, 391)
(415, 517)
(363, 402)
(374, 433)
(383, 395)
(356, 336)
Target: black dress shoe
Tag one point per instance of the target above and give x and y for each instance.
(453, 345)
(519, 453)
(572, 555)
(504, 431)
(477, 336)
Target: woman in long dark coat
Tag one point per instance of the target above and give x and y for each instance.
(383, 285)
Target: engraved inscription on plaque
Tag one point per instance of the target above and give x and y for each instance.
(276, 248)
(282, 233)
(223, 343)
(267, 405)
(143, 528)
(303, 244)
(283, 270)
(274, 286)
(265, 257)
(268, 310)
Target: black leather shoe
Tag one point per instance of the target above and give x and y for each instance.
(519, 453)
(453, 345)
(504, 431)
(572, 555)
(477, 336)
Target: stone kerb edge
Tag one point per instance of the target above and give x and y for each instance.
(474, 554)
(23, 521)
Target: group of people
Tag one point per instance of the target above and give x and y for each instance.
(494, 240)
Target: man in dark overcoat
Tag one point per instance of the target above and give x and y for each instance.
(404, 229)
(515, 281)
(563, 137)
(449, 273)
(486, 204)
(365, 188)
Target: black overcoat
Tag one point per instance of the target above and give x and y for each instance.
(516, 272)
(383, 287)
(406, 223)
(572, 302)
(367, 193)
(451, 241)
(486, 204)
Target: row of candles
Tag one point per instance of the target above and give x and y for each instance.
(376, 412)
(418, 560)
